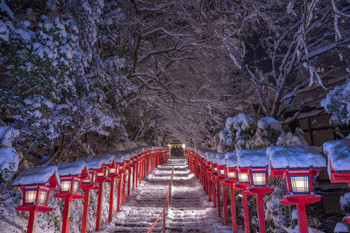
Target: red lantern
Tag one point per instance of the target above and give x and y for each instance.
(221, 167)
(297, 165)
(257, 163)
(119, 160)
(102, 172)
(338, 153)
(71, 176)
(88, 183)
(109, 162)
(36, 184)
(231, 179)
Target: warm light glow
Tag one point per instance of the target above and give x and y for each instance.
(93, 178)
(107, 172)
(100, 174)
(300, 184)
(76, 186)
(183, 146)
(65, 185)
(243, 177)
(30, 196)
(87, 181)
(222, 172)
(215, 169)
(231, 175)
(43, 196)
(112, 170)
(169, 145)
(259, 178)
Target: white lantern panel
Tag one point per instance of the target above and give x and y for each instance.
(65, 185)
(259, 178)
(30, 196)
(112, 170)
(43, 196)
(100, 174)
(243, 177)
(76, 186)
(231, 175)
(222, 172)
(300, 184)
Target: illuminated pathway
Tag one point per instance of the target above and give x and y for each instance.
(189, 209)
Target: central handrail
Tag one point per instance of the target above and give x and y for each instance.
(164, 213)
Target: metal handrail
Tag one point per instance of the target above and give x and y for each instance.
(164, 213)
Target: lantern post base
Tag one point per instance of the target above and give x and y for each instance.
(233, 208)
(33, 214)
(300, 201)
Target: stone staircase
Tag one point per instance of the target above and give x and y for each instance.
(189, 209)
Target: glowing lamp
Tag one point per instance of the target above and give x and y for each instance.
(96, 165)
(183, 146)
(231, 179)
(297, 165)
(243, 177)
(36, 184)
(71, 175)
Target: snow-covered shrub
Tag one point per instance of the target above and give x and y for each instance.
(9, 161)
(345, 202)
(243, 131)
(337, 103)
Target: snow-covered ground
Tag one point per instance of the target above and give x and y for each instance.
(189, 207)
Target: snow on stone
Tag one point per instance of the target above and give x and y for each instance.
(108, 159)
(301, 156)
(33, 176)
(9, 161)
(94, 163)
(338, 154)
(340, 227)
(71, 168)
(252, 158)
(8, 134)
(231, 159)
(269, 122)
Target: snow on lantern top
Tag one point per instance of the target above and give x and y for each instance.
(71, 168)
(36, 176)
(119, 158)
(338, 154)
(220, 158)
(94, 163)
(231, 159)
(108, 159)
(252, 158)
(295, 157)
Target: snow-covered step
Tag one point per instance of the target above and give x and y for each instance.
(189, 209)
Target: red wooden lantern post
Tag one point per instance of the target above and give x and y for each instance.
(214, 175)
(338, 153)
(126, 175)
(209, 172)
(71, 175)
(36, 184)
(88, 183)
(257, 162)
(119, 160)
(297, 165)
(109, 161)
(243, 184)
(221, 161)
(231, 179)
(102, 173)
